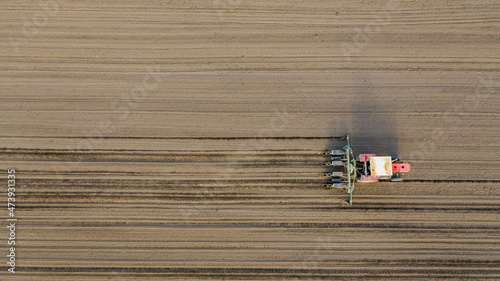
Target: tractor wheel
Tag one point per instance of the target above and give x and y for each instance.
(396, 179)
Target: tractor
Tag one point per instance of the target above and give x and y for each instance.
(364, 168)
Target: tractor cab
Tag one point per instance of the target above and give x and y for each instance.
(373, 168)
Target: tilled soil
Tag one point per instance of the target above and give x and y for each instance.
(184, 140)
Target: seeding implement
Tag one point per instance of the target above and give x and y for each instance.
(364, 168)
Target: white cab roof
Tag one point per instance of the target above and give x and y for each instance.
(381, 166)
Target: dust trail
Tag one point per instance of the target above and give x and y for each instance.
(372, 129)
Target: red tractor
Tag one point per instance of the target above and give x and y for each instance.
(364, 168)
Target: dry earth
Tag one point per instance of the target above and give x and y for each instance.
(183, 139)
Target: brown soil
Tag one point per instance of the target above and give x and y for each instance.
(184, 139)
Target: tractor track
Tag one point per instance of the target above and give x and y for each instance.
(186, 138)
(189, 201)
(310, 180)
(265, 225)
(273, 273)
(307, 207)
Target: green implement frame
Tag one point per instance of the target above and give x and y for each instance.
(347, 177)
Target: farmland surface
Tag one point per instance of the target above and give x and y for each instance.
(184, 139)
